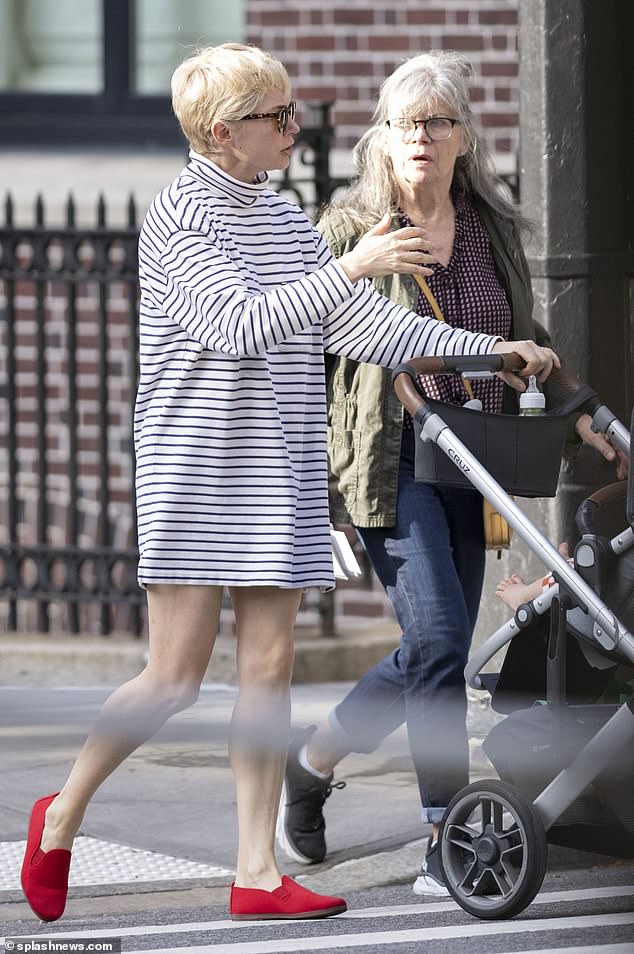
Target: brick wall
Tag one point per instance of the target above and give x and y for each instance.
(341, 51)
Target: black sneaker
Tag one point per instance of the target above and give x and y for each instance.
(430, 880)
(300, 825)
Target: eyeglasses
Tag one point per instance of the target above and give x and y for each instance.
(282, 116)
(437, 128)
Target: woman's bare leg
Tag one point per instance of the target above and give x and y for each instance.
(265, 618)
(183, 621)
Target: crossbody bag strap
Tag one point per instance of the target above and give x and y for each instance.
(435, 307)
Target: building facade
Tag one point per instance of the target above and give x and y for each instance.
(104, 65)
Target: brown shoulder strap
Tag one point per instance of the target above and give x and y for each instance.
(435, 307)
(429, 295)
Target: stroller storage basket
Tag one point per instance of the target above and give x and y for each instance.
(522, 453)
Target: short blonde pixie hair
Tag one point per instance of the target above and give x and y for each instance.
(222, 82)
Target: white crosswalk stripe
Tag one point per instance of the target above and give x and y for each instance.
(420, 935)
(389, 911)
(625, 948)
(386, 930)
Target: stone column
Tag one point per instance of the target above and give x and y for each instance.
(576, 147)
(576, 82)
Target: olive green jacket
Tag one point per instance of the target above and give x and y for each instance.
(365, 418)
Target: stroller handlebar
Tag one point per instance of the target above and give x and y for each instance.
(404, 377)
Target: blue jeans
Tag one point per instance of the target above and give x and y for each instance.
(432, 567)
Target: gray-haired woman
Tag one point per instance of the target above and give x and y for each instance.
(422, 163)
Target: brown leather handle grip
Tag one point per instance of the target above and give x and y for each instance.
(404, 376)
(457, 363)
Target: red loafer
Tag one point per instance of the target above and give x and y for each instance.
(290, 900)
(44, 873)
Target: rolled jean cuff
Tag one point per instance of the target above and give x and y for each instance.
(432, 816)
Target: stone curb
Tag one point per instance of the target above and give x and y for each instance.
(82, 660)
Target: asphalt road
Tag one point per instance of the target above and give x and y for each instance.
(575, 912)
(157, 848)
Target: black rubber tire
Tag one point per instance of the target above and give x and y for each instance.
(493, 850)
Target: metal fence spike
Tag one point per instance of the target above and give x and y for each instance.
(101, 210)
(39, 210)
(8, 209)
(70, 210)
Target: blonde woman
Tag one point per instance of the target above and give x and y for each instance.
(240, 297)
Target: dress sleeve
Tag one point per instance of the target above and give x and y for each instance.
(371, 328)
(204, 292)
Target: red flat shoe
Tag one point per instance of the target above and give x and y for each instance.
(44, 873)
(288, 901)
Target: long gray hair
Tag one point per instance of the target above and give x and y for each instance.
(439, 76)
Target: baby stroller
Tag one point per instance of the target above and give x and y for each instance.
(565, 751)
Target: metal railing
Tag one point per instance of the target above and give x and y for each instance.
(68, 292)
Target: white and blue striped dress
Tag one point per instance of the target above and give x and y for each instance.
(240, 296)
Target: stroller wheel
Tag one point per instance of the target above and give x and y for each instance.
(493, 850)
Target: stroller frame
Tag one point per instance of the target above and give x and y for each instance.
(515, 859)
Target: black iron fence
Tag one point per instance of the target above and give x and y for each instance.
(69, 344)
(68, 374)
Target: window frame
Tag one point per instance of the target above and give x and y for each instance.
(117, 116)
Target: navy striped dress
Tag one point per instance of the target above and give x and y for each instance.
(240, 296)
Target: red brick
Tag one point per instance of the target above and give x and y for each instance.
(353, 68)
(498, 17)
(353, 16)
(389, 43)
(316, 93)
(268, 18)
(425, 16)
(351, 117)
(463, 41)
(315, 42)
(499, 69)
(501, 41)
(498, 119)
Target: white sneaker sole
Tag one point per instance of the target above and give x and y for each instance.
(425, 884)
(282, 837)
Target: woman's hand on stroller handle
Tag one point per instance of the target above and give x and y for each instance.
(537, 360)
(601, 444)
